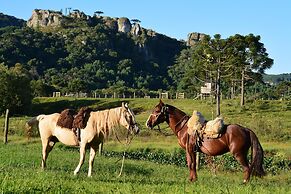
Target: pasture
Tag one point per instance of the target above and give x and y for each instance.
(154, 162)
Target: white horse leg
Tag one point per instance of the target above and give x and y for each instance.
(100, 148)
(93, 150)
(47, 146)
(82, 157)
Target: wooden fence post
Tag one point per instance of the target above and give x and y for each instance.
(6, 126)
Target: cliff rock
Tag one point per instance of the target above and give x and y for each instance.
(124, 25)
(44, 18)
(136, 30)
(194, 37)
(76, 14)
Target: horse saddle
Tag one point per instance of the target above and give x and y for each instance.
(69, 119)
(198, 125)
(213, 128)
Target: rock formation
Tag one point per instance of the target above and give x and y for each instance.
(76, 14)
(111, 23)
(48, 18)
(124, 25)
(44, 18)
(194, 37)
(136, 30)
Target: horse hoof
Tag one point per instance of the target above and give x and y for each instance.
(192, 179)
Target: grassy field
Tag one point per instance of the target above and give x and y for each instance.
(20, 158)
(20, 173)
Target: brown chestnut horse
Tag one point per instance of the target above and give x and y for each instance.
(237, 140)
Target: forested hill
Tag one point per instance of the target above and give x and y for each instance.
(77, 52)
(275, 79)
(82, 53)
(6, 20)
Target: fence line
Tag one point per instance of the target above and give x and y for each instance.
(165, 95)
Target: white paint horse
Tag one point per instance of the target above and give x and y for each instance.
(99, 126)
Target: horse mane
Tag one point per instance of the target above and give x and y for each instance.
(66, 118)
(80, 120)
(172, 108)
(107, 120)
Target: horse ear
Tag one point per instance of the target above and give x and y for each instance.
(161, 102)
(126, 105)
(122, 104)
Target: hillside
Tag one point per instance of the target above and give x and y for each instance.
(76, 52)
(275, 79)
(106, 55)
(6, 20)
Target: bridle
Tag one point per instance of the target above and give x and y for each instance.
(130, 128)
(166, 115)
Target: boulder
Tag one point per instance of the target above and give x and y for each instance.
(136, 30)
(194, 37)
(44, 18)
(124, 25)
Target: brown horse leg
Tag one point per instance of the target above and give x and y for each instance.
(82, 157)
(191, 162)
(242, 159)
(191, 159)
(93, 150)
(47, 146)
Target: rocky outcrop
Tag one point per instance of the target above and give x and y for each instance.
(110, 23)
(124, 25)
(194, 37)
(47, 18)
(44, 18)
(76, 14)
(136, 30)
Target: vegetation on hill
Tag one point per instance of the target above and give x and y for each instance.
(86, 57)
(6, 20)
(82, 55)
(276, 79)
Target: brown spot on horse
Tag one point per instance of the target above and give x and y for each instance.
(66, 118)
(81, 118)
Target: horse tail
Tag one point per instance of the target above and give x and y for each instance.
(33, 122)
(257, 156)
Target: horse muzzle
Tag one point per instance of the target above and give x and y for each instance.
(134, 129)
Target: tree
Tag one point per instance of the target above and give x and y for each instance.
(283, 89)
(98, 13)
(15, 91)
(135, 21)
(213, 59)
(251, 59)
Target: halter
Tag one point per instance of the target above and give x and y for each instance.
(131, 123)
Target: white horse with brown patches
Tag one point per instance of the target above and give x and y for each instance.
(99, 126)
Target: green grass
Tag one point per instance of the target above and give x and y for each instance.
(20, 173)
(20, 159)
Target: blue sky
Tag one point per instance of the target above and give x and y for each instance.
(268, 18)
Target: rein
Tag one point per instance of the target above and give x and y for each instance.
(127, 144)
(181, 120)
